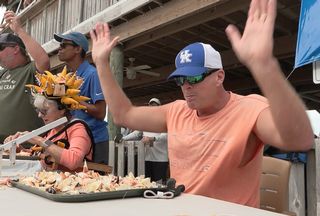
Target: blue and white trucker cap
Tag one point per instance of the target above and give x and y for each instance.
(195, 59)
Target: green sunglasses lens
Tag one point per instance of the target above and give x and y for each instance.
(179, 80)
(190, 79)
(194, 79)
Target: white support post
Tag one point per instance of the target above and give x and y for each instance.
(316, 72)
(120, 159)
(12, 155)
(1, 153)
(130, 161)
(141, 159)
(112, 151)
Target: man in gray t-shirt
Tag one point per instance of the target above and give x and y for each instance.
(16, 110)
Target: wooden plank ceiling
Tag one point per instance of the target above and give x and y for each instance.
(159, 46)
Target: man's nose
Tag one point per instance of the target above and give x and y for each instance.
(186, 84)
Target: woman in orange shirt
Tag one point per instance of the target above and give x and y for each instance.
(66, 146)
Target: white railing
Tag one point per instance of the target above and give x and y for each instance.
(127, 154)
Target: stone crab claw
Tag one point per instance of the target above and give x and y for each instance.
(85, 167)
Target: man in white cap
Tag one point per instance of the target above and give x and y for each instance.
(216, 137)
(156, 156)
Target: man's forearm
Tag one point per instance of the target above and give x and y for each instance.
(287, 109)
(95, 111)
(35, 50)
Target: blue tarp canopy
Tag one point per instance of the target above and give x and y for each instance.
(308, 43)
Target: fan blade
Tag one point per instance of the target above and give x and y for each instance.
(142, 67)
(149, 73)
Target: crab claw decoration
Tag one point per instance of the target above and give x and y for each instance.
(64, 86)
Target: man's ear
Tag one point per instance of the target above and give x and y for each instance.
(17, 50)
(220, 76)
(78, 49)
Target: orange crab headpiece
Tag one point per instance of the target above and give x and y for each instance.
(64, 87)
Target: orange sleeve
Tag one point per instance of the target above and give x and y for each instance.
(80, 145)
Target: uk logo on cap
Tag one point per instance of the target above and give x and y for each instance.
(195, 59)
(185, 56)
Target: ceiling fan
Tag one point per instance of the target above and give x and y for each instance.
(132, 70)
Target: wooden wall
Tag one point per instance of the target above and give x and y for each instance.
(58, 16)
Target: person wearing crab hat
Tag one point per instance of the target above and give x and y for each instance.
(66, 146)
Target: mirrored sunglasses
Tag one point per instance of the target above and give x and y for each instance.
(193, 79)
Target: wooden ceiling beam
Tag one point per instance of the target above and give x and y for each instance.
(207, 37)
(172, 13)
(285, 6)
(283, 46)
(158, 17)
(156, 52)
(286, 25)
(239, 21)
(164, 47)
(309, 89)
(154, 60)
(311, 98)
(300, 76)
(158, 2)
(164, 73)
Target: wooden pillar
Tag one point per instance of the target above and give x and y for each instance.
(313, 180)
(116, 63)
(297, 201)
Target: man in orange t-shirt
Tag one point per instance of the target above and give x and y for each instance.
(215, 137)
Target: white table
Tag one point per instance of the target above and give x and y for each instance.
(19, 202)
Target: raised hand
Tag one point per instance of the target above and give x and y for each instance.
(13, 21)
(255, 46)
(14, 136)
(102, 43)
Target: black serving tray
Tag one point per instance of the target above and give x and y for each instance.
(120, 194)
(21, 157)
